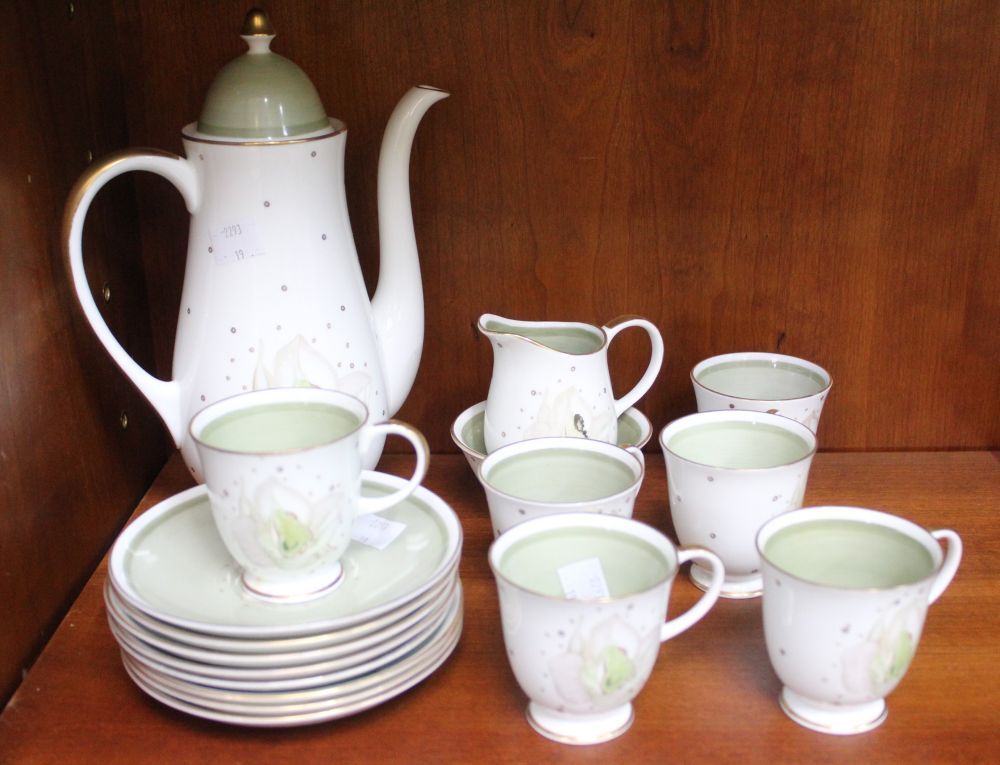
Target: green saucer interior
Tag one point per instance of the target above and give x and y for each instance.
(629, 432)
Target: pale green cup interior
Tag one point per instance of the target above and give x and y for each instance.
(762, 379)
(561, 474)
(725, 441)
(630, 564)
(272, 427)
(575, 340)
(849, 553)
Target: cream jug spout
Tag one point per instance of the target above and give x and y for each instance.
(398, 302)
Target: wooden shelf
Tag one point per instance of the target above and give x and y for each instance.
(712, 696)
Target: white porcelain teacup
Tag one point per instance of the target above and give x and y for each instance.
(727, 473)
(542, 476)
(283, 471)
(846, 591)
(583, 605)
(762, 382)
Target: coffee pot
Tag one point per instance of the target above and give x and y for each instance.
(273, 295)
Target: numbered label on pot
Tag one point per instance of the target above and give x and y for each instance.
(235, 242)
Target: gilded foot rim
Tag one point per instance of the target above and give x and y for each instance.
(580, 730)
(846, 720)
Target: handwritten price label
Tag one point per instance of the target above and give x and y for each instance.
(375, 531)
(583, 580)
(235, 242)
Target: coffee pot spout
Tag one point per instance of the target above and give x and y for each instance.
(398, 302)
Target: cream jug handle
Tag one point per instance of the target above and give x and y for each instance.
(615, 326)
(162, 394)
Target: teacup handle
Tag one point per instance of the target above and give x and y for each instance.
(678, 624)
(615, 326)
(636, 452)
(949, 566)
(416, 438)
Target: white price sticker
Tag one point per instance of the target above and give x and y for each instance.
(375, 531)
(584, 580)
(233, 242)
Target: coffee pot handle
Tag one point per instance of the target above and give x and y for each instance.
(611, 329)
(164, 395)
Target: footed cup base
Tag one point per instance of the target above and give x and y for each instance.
(734, 587)
(580, 729)
(844, 720)
(294, 591)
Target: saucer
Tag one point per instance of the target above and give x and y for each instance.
(369, 692)
(227, 679)
(330, 643)
(256, 700)
(171, 565)
(325, 659)
(343, 667)
(634, 429)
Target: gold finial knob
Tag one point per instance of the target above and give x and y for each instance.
(256, 23)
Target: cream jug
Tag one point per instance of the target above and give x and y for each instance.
(552, 379)
(273, 294)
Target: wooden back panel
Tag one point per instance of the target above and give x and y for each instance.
(819, 179)
(78, 445)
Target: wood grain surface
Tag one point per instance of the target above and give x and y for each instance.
(712, 696)
(819, 178)
(69, 469)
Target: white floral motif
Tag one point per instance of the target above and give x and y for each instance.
(875, 666)
(298, 365)
(277, 526)
(565, 412)
(605, 667)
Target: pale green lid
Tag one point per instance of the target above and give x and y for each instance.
(261, 95)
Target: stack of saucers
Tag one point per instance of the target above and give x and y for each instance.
(191, 637)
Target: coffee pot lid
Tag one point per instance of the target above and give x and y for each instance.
(261, 95)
